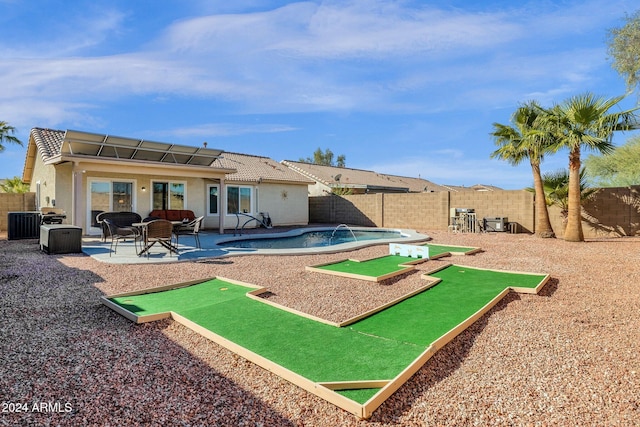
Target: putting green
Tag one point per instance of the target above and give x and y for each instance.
(436, 250)
(374, 267)
(378, 347)
(385, 267)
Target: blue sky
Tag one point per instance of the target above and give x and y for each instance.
(402, 87)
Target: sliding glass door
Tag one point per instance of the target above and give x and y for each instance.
(108, 196)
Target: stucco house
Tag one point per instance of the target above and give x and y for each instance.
(86, 173)
(326, 179)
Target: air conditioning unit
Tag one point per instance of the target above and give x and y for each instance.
(23, 225)
(495, 223)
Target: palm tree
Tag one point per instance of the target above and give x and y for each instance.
(522, 141)
(584, 121)
(6, 135)
(14, 185)
(556, 190)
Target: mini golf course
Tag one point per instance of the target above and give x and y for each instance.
(401, 259)
(356, 364)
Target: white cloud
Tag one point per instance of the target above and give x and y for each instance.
(227, 129)
(326, 56)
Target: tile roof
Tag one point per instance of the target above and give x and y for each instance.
(252, 168)
(358, 177)
(48, 141)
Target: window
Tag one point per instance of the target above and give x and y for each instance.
(168, 195)
(212, 200)
(238, 199)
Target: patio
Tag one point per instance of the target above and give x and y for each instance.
(209, 239)
(187, 250)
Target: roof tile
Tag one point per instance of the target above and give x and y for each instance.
(332, 176)
(252, 168)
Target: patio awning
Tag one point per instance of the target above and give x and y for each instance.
(86, 144)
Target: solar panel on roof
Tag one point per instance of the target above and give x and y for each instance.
(91, 144)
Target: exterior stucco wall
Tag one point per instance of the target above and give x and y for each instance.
(195, 188)
(318, 189)
(286, 204)
(46, 175)
(69, 184)
(63, 190)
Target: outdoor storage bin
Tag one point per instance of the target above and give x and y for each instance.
(60, 238)
(23, 225)
(495, 223)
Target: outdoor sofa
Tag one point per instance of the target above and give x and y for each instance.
(173, 214)
(121, 219)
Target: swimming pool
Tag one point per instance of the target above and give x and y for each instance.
(320, 239)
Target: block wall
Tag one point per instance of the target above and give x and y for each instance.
(610, 212)
(516, 205)
(421, 211)
(418, 211)
(10, 202)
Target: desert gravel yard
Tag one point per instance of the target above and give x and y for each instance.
(568, 356)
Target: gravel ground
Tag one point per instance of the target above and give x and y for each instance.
(568, 356)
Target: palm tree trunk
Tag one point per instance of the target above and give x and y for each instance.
(543, 224)
(573, 232)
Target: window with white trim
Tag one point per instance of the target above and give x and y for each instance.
(238, 199)
(213, 199)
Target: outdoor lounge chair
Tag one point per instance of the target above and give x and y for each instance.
(119, 233)
(189, 229)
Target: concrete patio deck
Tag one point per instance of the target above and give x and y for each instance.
(126, 253)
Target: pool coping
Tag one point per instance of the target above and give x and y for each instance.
(410, 236)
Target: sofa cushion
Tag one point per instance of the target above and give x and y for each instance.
(173, 214)
(187, 214)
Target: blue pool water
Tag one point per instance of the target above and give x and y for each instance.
(313, 239)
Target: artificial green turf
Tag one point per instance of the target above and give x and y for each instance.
(387, 264)
(425, 317)
(317, 351)
(374, 267)
(188, 297)
(375, 348)
(441, 249)
(360, 395)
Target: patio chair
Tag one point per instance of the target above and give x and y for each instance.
(159, 231)
(121, 219)
(189, 229)
(120, 233)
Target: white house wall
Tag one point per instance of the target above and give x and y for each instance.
(286, 204)
(195, 189)
(46, 175)
(63, 191)
(319, 189)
